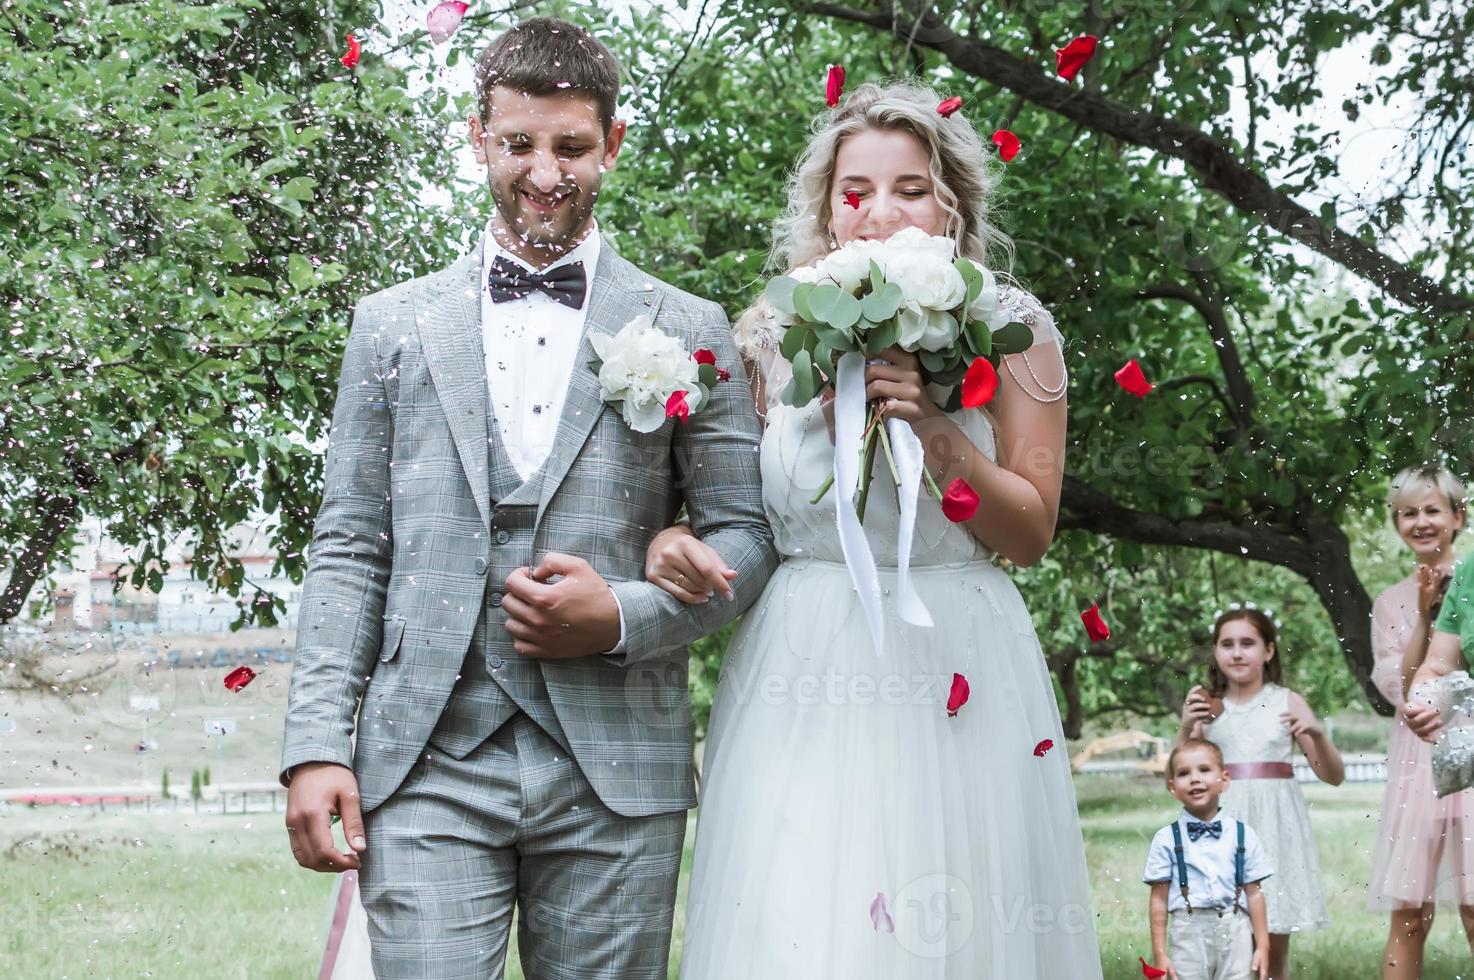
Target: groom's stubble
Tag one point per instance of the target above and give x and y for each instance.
(545, 159)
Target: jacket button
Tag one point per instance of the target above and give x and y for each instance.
(496, 662)
(496, 598)
(480, 566)
(502, 537)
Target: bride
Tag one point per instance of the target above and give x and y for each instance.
(850, 824)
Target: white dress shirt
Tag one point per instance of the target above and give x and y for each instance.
(1209, 863)
(531, 344)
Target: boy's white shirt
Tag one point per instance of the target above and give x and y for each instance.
(1209, 864)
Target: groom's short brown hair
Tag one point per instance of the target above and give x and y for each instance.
(545, 56)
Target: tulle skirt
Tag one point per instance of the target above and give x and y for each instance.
(849, 827)
(1294, 899)
(1425, 851)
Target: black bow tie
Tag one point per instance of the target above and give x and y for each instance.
(1196, 829)
(506, 281)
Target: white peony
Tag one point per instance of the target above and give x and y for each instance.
(927, 329)
(926, 280)
(921, 265)
(642, 367)
(849, 265)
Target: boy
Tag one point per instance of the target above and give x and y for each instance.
(1198, 868)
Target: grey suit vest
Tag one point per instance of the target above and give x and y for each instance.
(496, 681)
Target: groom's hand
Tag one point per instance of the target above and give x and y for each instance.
(562, 608)
(317, 792)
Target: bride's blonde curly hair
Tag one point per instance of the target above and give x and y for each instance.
(964, 173)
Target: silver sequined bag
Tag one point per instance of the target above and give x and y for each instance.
(1453, 752)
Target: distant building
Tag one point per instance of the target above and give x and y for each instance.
(86, 594)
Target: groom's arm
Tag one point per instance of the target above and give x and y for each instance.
(716, 458)
(340, 618)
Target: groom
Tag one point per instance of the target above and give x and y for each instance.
(476, 590)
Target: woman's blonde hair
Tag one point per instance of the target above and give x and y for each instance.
(964, 173)
(1420, 477)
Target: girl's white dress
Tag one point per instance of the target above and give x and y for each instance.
(1275, 808)
(848, 826)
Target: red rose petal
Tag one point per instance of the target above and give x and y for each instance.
(444, 19)
(958, 696)
(948, 106)
(704, 356)
(350, 60)
(676, 407)
(1133, 380)
(979, 384)
(723, 374)
(1045, 744)
(1007, 143)
(960, 501)
(880, 916)
(852, 199)
(239, 678)
(1069, 59)
(834, 88)
(1147, 970)
(1094, 625)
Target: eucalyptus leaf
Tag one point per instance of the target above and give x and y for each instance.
(779, 294)
(1013, 339)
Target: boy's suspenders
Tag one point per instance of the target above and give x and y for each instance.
(1238, 866)
(1181, 865)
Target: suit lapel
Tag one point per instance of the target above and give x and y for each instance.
(619, 294)
(450, 335)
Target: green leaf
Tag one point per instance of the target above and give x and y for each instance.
(972, 277)
(801, 294)
(803, 378)
(779, 294)
(299, 188)
(794, 340)
(834, 306)
(706, 375)
(1012, 339)
(884, 304)
(884, 335)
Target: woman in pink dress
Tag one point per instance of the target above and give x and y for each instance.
(1425, 854)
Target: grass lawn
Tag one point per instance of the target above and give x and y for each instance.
(125, 894)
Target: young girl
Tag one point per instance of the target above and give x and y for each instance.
(1254, 720)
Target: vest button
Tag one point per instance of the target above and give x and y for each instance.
(496, 662)
(502, 537)
(480, 566)
(496, 598)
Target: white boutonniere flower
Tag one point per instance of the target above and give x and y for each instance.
(650, 377)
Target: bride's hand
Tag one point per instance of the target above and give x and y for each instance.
(900, 385)
(686, 567)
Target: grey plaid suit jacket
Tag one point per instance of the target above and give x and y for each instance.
(405, 521)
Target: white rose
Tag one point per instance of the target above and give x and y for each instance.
(642, 367)
(926, 329)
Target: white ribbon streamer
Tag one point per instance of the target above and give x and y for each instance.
(849, 427)
(910, 457)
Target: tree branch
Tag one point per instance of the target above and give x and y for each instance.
(1217, 167)
(1245, 402)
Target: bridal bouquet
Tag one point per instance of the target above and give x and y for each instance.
(908, 291)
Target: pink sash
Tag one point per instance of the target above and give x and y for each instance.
(1260, 770)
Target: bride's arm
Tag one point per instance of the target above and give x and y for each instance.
(1020, 493)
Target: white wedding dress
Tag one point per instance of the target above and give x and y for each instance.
(848, 827)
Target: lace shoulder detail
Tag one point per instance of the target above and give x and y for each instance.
(757, 331)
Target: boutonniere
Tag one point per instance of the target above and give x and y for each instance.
(650, 376)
